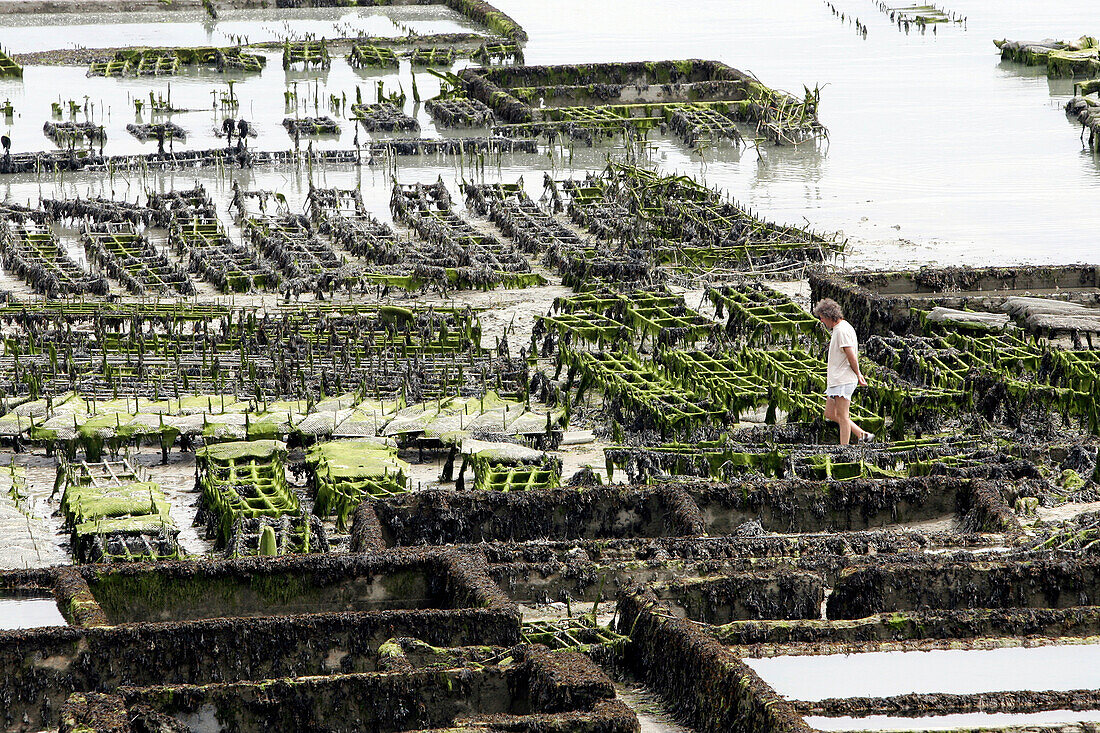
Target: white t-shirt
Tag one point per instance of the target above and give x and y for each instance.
(840, 371)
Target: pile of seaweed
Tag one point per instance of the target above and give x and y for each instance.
(69, 134)
(159, 131)
(675, 221)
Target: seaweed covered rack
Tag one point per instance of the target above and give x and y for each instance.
(693, 98)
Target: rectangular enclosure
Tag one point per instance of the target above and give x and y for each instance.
(921, 687)
(831, 506)
(184, 591)
(529, 688)
(813, 677)
(929, 585)
(29, 608)
(236, 620)
(439, 517)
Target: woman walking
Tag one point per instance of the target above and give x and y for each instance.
(843, 374)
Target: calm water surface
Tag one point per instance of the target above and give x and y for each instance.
(29, 613)
(884, 674)
(938, 152)
(972, 721)
(972, 158)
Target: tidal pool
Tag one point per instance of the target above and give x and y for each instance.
(19, 611)
(959, 671)
(981, 721)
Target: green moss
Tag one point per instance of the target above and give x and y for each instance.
(1070, 480)
(78, 607)
(898, 621)
(280, 588)
(128, 597)
(405, 584)
(267, 541)
(684, 67)
(390, 649)
(86, 503)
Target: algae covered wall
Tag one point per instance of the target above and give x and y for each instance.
(531, 689)
(813, 506)
(417, 700)
(677, 510)
(881, 302)
(705, 684)
(841, 634)
(1041, 583)
(39, 668)
(781, 594)
(435, 517)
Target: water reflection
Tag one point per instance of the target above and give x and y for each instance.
(938, 152)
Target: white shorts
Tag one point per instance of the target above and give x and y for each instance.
(842, 390)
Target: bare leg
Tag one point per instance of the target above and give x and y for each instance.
(847, 427)
(842, 420)
(856, 430)
(830, 408)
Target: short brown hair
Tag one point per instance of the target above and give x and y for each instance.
(828, 309)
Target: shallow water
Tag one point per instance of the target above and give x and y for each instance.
(883, 674)
(41, 32)
(981, 721)
(937, 152)
(29, 612)
(972, 158)
(199, 94)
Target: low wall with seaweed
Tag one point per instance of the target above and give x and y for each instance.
(632, 72)
(531, 690)
(41, 667)
(781, 594)
(722, 548)
(926, 583)
(841, 635)
(585, 571)
(702, 681)
(814, 506)
(404, 701)
(881, 302)
(912, 705)
(437, 517)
